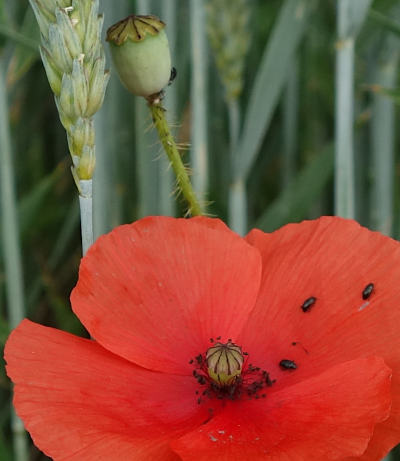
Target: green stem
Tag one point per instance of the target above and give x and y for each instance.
(344, 153)
(237, 201)
(386, 22)
(11, 249)
(383, 135)
(168, 142)
(86, 208)
(17, 37)
(290, 124)
(199, 148)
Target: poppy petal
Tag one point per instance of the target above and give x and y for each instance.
(329, 416)
(155, 291)
(332, 260)
(79, 401)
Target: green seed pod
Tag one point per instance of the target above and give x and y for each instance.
(224, 363)
(140, 51)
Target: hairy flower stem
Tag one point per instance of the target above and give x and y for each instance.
(171, 149)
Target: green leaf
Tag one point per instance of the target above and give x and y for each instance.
(5, 448)
(393, 93)
(26, 51)
(271, 77)
(4, 331)
(295, 201)
(353, 13)
(10, 33)
(385, 21)
(31, 204)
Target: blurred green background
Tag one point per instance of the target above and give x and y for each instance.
(259, 113)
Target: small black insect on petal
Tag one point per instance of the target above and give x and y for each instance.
(286, 364)
(368, 291)
(308, 304)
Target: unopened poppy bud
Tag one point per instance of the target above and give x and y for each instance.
(224, 363)
(140, 51)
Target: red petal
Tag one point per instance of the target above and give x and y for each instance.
(81, 402)
(155, 291)
(333, 260)
(327, 417)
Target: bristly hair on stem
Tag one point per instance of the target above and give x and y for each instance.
(171, 149)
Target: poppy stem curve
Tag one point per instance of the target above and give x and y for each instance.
(167, 140)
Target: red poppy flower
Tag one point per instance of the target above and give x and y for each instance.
(304, 361)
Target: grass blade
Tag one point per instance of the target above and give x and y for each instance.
(290, 124)
(24, 55)
(350, 16)
(295, 200)
(106, 201)
(147, 148)
(199, 148)
(385, 21)
(11, 248)
(32, 203)
(167, 181)
(271, 76)
(12, 34)
(383, 138)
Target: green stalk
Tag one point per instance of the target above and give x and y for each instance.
(290, 124)
(350, 16)
(383, 138)
(199, 154)
(105, 199)
(11, 249)
(344, 152)
(237, 201)
(167, 203)
(86, 207)
(385, 21)
(234, 124)
(64, 237)
(146, 149)
(17, 37)
(168, 142)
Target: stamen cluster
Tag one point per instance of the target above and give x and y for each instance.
(223, 373)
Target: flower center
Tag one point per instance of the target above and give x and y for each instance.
(223, 373)
(224, 363)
